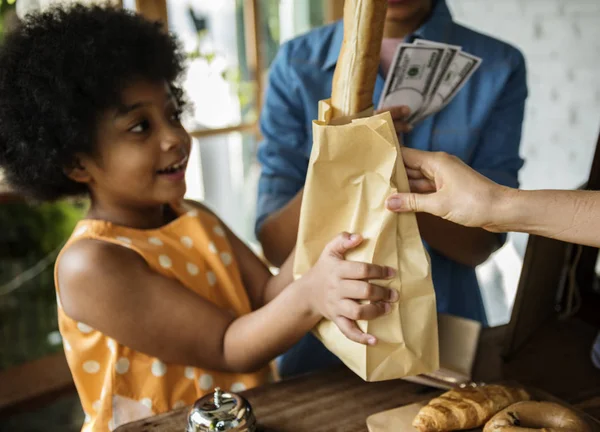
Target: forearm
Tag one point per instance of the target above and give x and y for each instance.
(279, 282)
(571, 216)
(253, 340)
(468, 246)
(279, 231)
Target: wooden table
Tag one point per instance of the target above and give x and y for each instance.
(558, 362)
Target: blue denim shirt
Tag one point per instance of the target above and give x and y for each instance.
(482, 126)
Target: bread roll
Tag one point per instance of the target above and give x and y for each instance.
(537, 416)
(358, 63)
(466, 408)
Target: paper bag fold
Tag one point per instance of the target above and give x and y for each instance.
(354, 166)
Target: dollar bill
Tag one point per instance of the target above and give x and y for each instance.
(411, 77)
(454, 78)
(426, 76)
(450, 52)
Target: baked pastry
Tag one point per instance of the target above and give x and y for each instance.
(537, 416)
(358, 63)
(466, 408)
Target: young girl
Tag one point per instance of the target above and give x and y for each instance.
(158, 301)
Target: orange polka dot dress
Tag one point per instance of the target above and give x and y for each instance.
(117, 384)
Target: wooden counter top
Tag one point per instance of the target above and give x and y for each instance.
(557, 362)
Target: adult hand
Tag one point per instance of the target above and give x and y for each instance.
(444, 186)
(399, 114)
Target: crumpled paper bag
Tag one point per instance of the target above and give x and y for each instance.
(354, 166)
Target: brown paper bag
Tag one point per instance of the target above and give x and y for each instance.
(354, 166)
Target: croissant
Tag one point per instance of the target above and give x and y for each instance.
(466, 408)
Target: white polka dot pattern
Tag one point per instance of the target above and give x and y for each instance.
(238, 387)
(192, 269)
(112, 345)
(226, 258)
(147, 402)
(193, 251)
(155, 241)
(165, 261)
(91, 366)
(122, 366)
(159, 369)
(212, 278)
(219, 231)
(84, 328)
(189, 372)
(187, 242)
(97, 405)
(205, 382)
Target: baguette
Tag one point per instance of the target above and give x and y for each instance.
(466, 408)
(358, 63)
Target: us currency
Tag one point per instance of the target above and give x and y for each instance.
(411, 77)
(426, 76)
(454, 78)
(450, 52)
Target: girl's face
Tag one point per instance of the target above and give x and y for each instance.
(142, 149)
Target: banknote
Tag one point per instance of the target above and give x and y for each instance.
(454, 78)
(450, 52)
(411, 77)
(426, 76)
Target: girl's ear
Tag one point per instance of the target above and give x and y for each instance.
(77, 171)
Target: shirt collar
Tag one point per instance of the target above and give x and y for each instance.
(436, 28)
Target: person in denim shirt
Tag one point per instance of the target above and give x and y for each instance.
(482, 126)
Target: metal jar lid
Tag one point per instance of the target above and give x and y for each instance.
(221, 412)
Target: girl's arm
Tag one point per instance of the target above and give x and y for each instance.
(260, 284)
(113, 290)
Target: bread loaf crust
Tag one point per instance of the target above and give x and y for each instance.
(358, 63)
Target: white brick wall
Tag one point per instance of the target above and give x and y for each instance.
(561, 43)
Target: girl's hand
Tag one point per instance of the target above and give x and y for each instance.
(341, 292)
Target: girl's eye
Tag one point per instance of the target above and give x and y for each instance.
(141, 127)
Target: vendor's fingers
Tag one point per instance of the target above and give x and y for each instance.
(414, 173)
(402, 127)
(421, 186)
(359, 290)
(350, 329)
(356, 311)
(365, 271)
(421, 160)
(397, 112)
